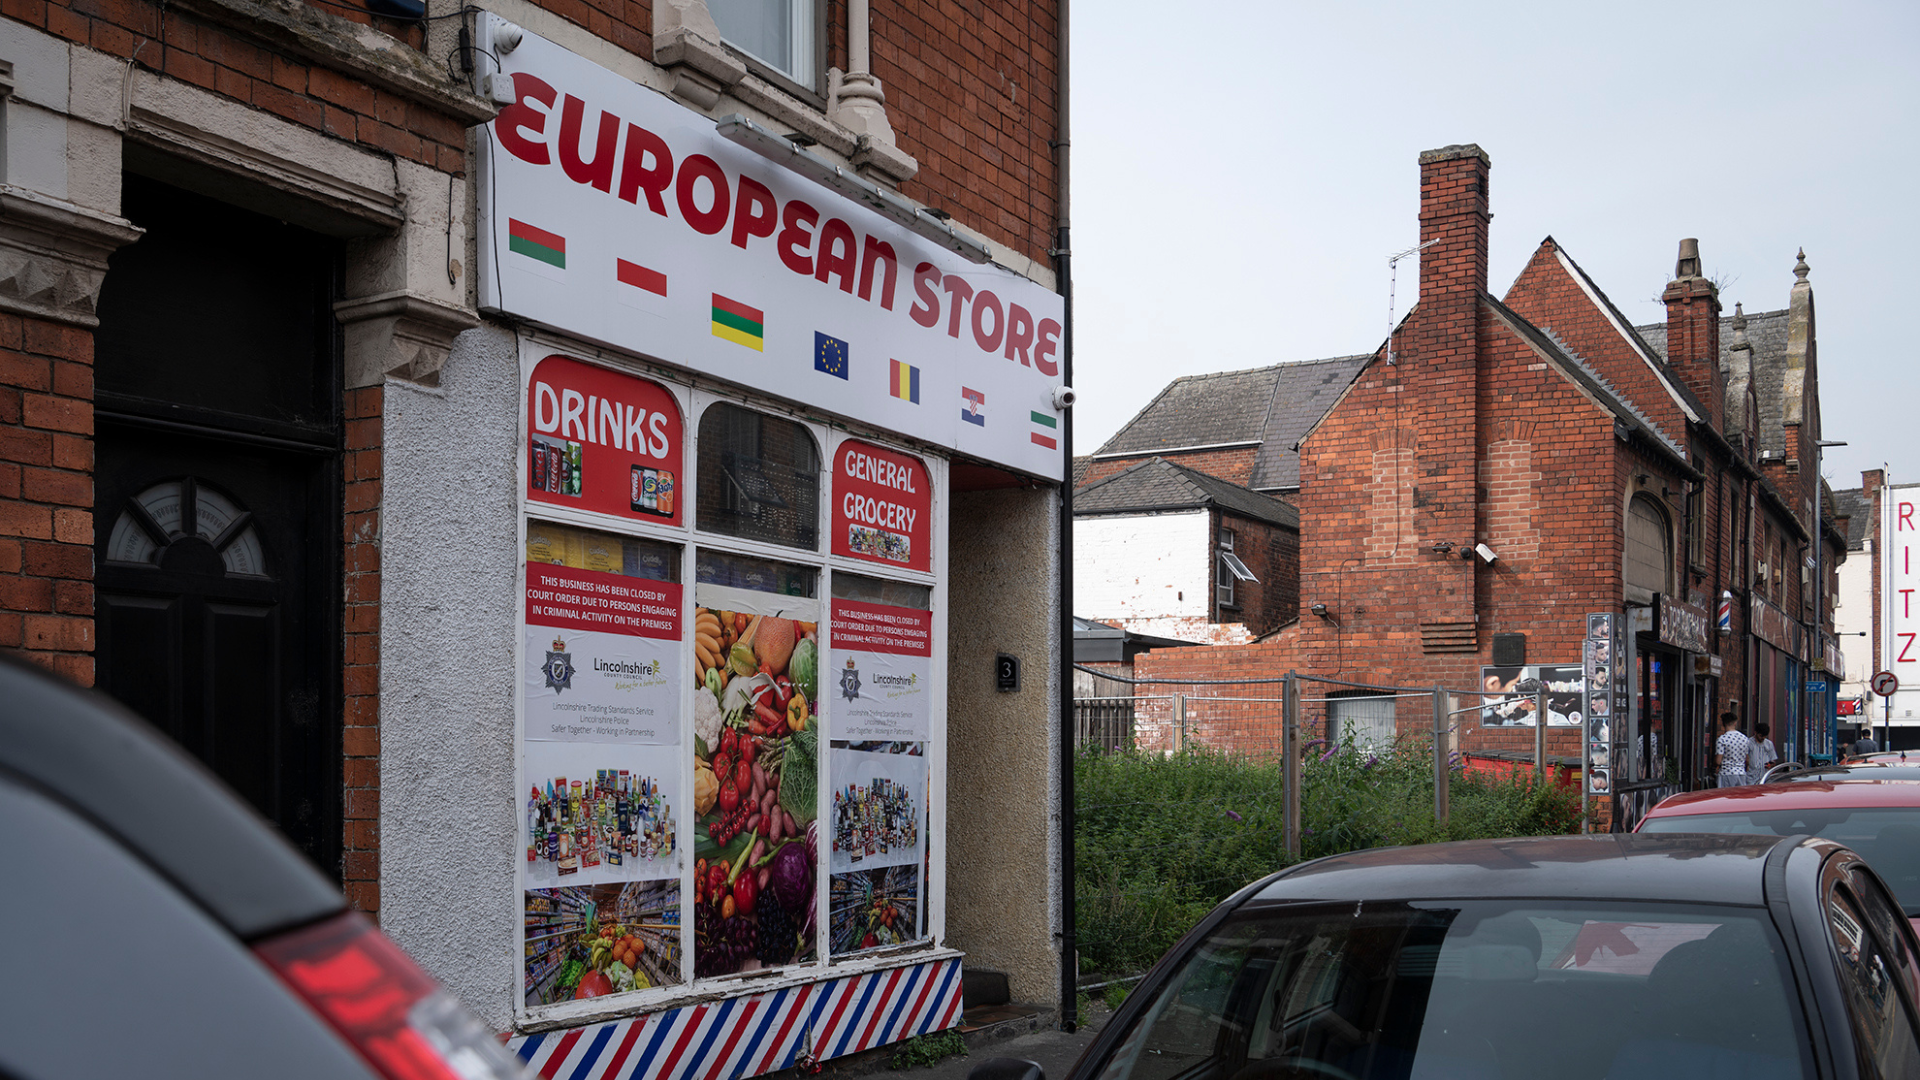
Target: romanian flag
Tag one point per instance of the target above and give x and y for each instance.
(739, 323)
(903, 382)
(1042, 420)
(536, 243)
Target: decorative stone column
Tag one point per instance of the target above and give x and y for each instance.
(686, 41)
(857, 103)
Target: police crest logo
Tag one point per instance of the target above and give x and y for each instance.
(850, 682)
(559, 666)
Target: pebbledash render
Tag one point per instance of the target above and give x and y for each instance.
(584, 472)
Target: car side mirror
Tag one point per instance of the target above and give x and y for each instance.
(1007, 1069)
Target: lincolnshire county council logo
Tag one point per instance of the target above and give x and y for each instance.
(850, 681)
(559, 666)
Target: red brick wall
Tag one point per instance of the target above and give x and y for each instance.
(46, 494)
(1272, 552)
(971, 91)
(360, 689)
(1234, 466)
(194, 51)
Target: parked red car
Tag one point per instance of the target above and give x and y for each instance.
(1880, 819)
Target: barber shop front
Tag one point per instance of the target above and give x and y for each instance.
(743, 442)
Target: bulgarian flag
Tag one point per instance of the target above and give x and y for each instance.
(536, 243)
(739, 323)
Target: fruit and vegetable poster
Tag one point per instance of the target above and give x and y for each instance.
(881, 683)
(756, 779)
(603, 441)
(882, 506)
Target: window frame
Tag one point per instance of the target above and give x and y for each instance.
(814, 93)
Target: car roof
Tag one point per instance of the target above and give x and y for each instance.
(1859, 770)
(108, 765)
(1810, 793)
(1655, 867)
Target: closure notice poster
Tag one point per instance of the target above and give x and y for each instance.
(601, 763)
(881, 685)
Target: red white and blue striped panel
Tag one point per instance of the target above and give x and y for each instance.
(754, 1035)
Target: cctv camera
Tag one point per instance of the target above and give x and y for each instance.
(507, 37)
(1064, 397)
(1485, 552)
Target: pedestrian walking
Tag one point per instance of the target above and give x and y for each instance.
(1730, 751)
(1761, 754)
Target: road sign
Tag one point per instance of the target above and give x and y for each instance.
(1885, 684)
(1815, 686)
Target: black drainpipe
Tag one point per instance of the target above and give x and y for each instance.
(1063, 274)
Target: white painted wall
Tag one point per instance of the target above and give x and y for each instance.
(449, 573)
(1853, 614)
(1146, 573)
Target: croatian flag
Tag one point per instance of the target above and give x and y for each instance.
(976, 402)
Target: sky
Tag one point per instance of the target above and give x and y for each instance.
(1242, 173)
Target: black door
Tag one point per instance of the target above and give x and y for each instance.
(217, 499)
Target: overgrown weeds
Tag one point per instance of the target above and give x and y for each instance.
(1159, 840)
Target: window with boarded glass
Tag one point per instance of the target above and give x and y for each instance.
(759, 478)
(1649, 549)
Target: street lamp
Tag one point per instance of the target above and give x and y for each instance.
(1820, 579)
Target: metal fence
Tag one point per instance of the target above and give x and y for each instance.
(1103, 723)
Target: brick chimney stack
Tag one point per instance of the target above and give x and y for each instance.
(1440, 365)
(1693, 332)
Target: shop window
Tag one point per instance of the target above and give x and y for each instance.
(1649, 550)
(759, 478)
(783, 35)
(607, 553)
(867, 590)
(754, 575)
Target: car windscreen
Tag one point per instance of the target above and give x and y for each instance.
(1467, 989)
(1887, 837)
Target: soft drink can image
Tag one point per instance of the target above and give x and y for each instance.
(539, 456)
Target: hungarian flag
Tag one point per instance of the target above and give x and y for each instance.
(536, 243)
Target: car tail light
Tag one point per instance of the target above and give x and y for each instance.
(402, 1021)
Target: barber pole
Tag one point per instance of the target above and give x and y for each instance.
(1726, 612)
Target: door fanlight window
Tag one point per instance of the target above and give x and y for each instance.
(152, 522)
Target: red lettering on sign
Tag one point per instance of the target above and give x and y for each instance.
(796, 239)
(1904, 649)
(961, 292)
(1043, 352)
(598, 170)
(758, 212)
(693, 170)
(636, 177)
(988, 338)
(1906, 516)
(521, 115)
(836, 254)
(878, 252)
(926, 304)
(1019, 334)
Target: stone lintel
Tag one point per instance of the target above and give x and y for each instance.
(401, 335)
(53, 256)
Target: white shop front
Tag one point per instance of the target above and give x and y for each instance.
(741, 394)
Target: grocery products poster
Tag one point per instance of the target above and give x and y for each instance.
(882, 507)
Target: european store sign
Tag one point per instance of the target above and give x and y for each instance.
(611, 213)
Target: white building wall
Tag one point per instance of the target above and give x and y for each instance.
(1146, 573)
(1852, 616)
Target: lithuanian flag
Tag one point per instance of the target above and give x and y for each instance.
(739, 323)
(903, 381)
(536, 243)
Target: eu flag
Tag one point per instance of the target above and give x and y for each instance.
(829, 355)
